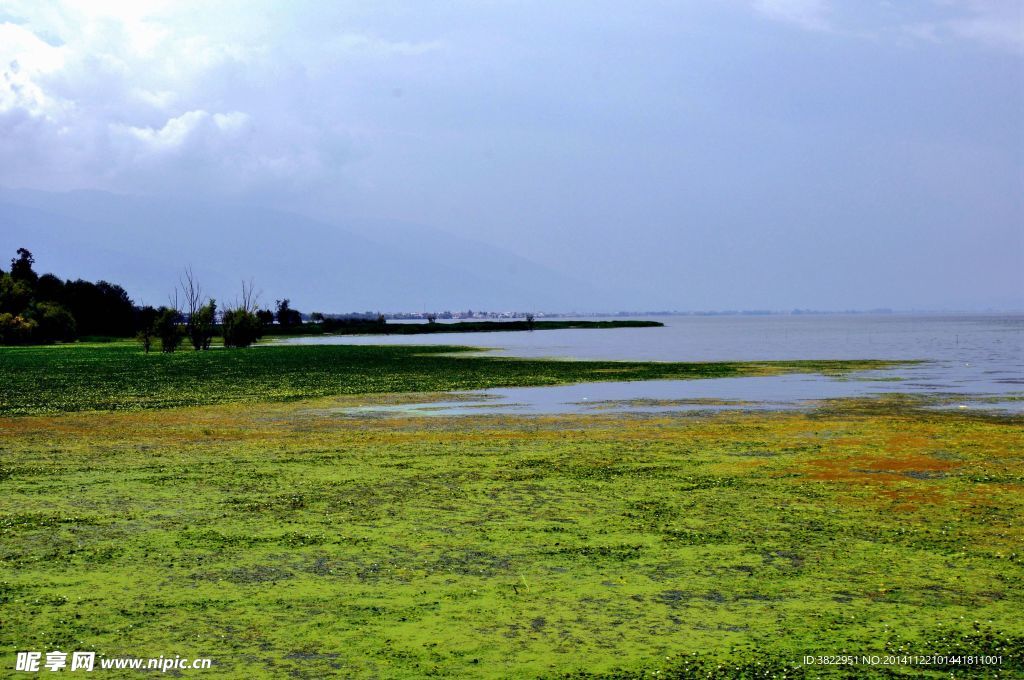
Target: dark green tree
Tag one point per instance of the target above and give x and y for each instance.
(240, 325)
(100, 308)
(286, 316)
(202, 325)
(54, 323)
(21, 267)
(15, 295)
(168, 328)
(241, 328)
(146, 322)
(50, 288)
(266, 317)
(47, 309)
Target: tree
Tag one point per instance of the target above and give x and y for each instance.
(286, 316)
(200, 318)
(147, 327)
(21, 267)
(168, 328)
(47, 309)
(54, 323)
(15, 295)
(240, 328)
(240, 325)
(203, 325)
(100, 308)
(15, 329)
(265, 316)
(50, 288)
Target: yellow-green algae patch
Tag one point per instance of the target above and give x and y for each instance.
(282, 540)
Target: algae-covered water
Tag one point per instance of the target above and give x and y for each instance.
(967, 361)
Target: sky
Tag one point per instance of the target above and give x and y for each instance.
(728, 154)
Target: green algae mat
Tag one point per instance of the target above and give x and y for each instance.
(231, 506)
(288, 540)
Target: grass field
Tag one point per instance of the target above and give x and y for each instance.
(287, 539)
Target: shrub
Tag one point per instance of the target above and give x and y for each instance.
(15, 295)
(201, 325)
(168, 329)
(15, 330)
(241, 328)
(54, 323)
(146, 321)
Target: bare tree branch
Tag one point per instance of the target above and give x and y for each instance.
(192, 291)
(250, 297)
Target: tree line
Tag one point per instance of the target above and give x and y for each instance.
(44, 309)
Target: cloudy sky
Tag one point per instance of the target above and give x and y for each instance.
(716, 154)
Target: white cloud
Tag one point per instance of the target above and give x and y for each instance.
(808, 14)
(176, 132)
(122, 91)
(997, 24)
(367, 45)
(161, 99)
(23, 58)
(231, 123)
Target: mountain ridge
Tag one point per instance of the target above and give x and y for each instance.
(144, 243)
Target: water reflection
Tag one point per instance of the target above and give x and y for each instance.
(662, 396)
(976, 361)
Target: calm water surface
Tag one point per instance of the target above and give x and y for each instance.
(971, 361)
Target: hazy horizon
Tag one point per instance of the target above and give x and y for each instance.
(771, 154)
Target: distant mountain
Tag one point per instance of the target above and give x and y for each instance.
(144, 243)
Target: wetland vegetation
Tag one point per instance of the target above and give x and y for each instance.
(290, 540)
(228, 505)
(118, 376)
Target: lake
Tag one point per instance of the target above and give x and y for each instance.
(970, 361)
